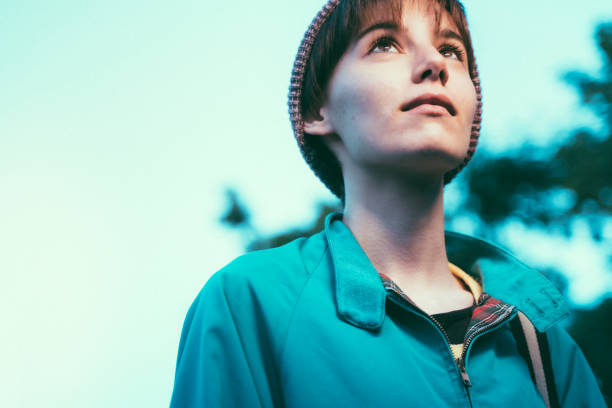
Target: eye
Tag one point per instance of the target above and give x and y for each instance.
(450, 50)
(383, 44)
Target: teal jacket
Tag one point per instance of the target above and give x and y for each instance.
(310, 324)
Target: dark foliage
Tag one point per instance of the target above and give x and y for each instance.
(552, 187)
(290, 235)
(237, 214)
(592, 330)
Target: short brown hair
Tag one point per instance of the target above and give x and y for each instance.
(333, 37)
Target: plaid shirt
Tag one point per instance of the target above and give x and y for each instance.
(488, 312)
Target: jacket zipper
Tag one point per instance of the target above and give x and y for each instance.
(466, 344)
(464, 374)
(466, 380)
(461, 361)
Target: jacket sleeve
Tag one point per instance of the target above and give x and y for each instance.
(576, 384)
(212, 369)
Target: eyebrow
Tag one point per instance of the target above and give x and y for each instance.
(450, 34)
(391, 25)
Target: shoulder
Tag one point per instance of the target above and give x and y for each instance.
(255, 294)
(271, 269)
(264, 283)
(574, 379)
(508, 279)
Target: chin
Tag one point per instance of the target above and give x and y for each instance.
(431, 160)
(433, 140)
(435, 154)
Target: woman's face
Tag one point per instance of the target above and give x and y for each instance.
(385, 95)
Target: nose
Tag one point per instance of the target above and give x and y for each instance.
(430, 65)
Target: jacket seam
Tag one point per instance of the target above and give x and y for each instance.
(242, 347)
(297, 301)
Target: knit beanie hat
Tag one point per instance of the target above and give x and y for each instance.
(316, 153)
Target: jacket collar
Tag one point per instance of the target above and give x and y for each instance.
(360, 294)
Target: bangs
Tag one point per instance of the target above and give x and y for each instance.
(360, 14)
(364, 13)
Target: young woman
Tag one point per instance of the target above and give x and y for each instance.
(382, 307)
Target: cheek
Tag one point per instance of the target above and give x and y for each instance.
(357, 97)
(468, 102)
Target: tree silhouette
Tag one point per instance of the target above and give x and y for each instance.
(553, 187)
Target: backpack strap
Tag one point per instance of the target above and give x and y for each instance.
(548, 371)
(533, 347)
(535, 357)
(521, 343)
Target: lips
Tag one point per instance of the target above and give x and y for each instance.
(430, 99)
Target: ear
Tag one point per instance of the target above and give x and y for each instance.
(318, 126)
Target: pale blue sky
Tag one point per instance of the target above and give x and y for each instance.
(121, 122)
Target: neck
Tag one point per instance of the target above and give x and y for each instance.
(399, 223)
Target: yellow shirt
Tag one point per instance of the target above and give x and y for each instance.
(474, 287)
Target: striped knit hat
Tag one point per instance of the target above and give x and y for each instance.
(317, 155)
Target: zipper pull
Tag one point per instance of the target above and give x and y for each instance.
(464, 374)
